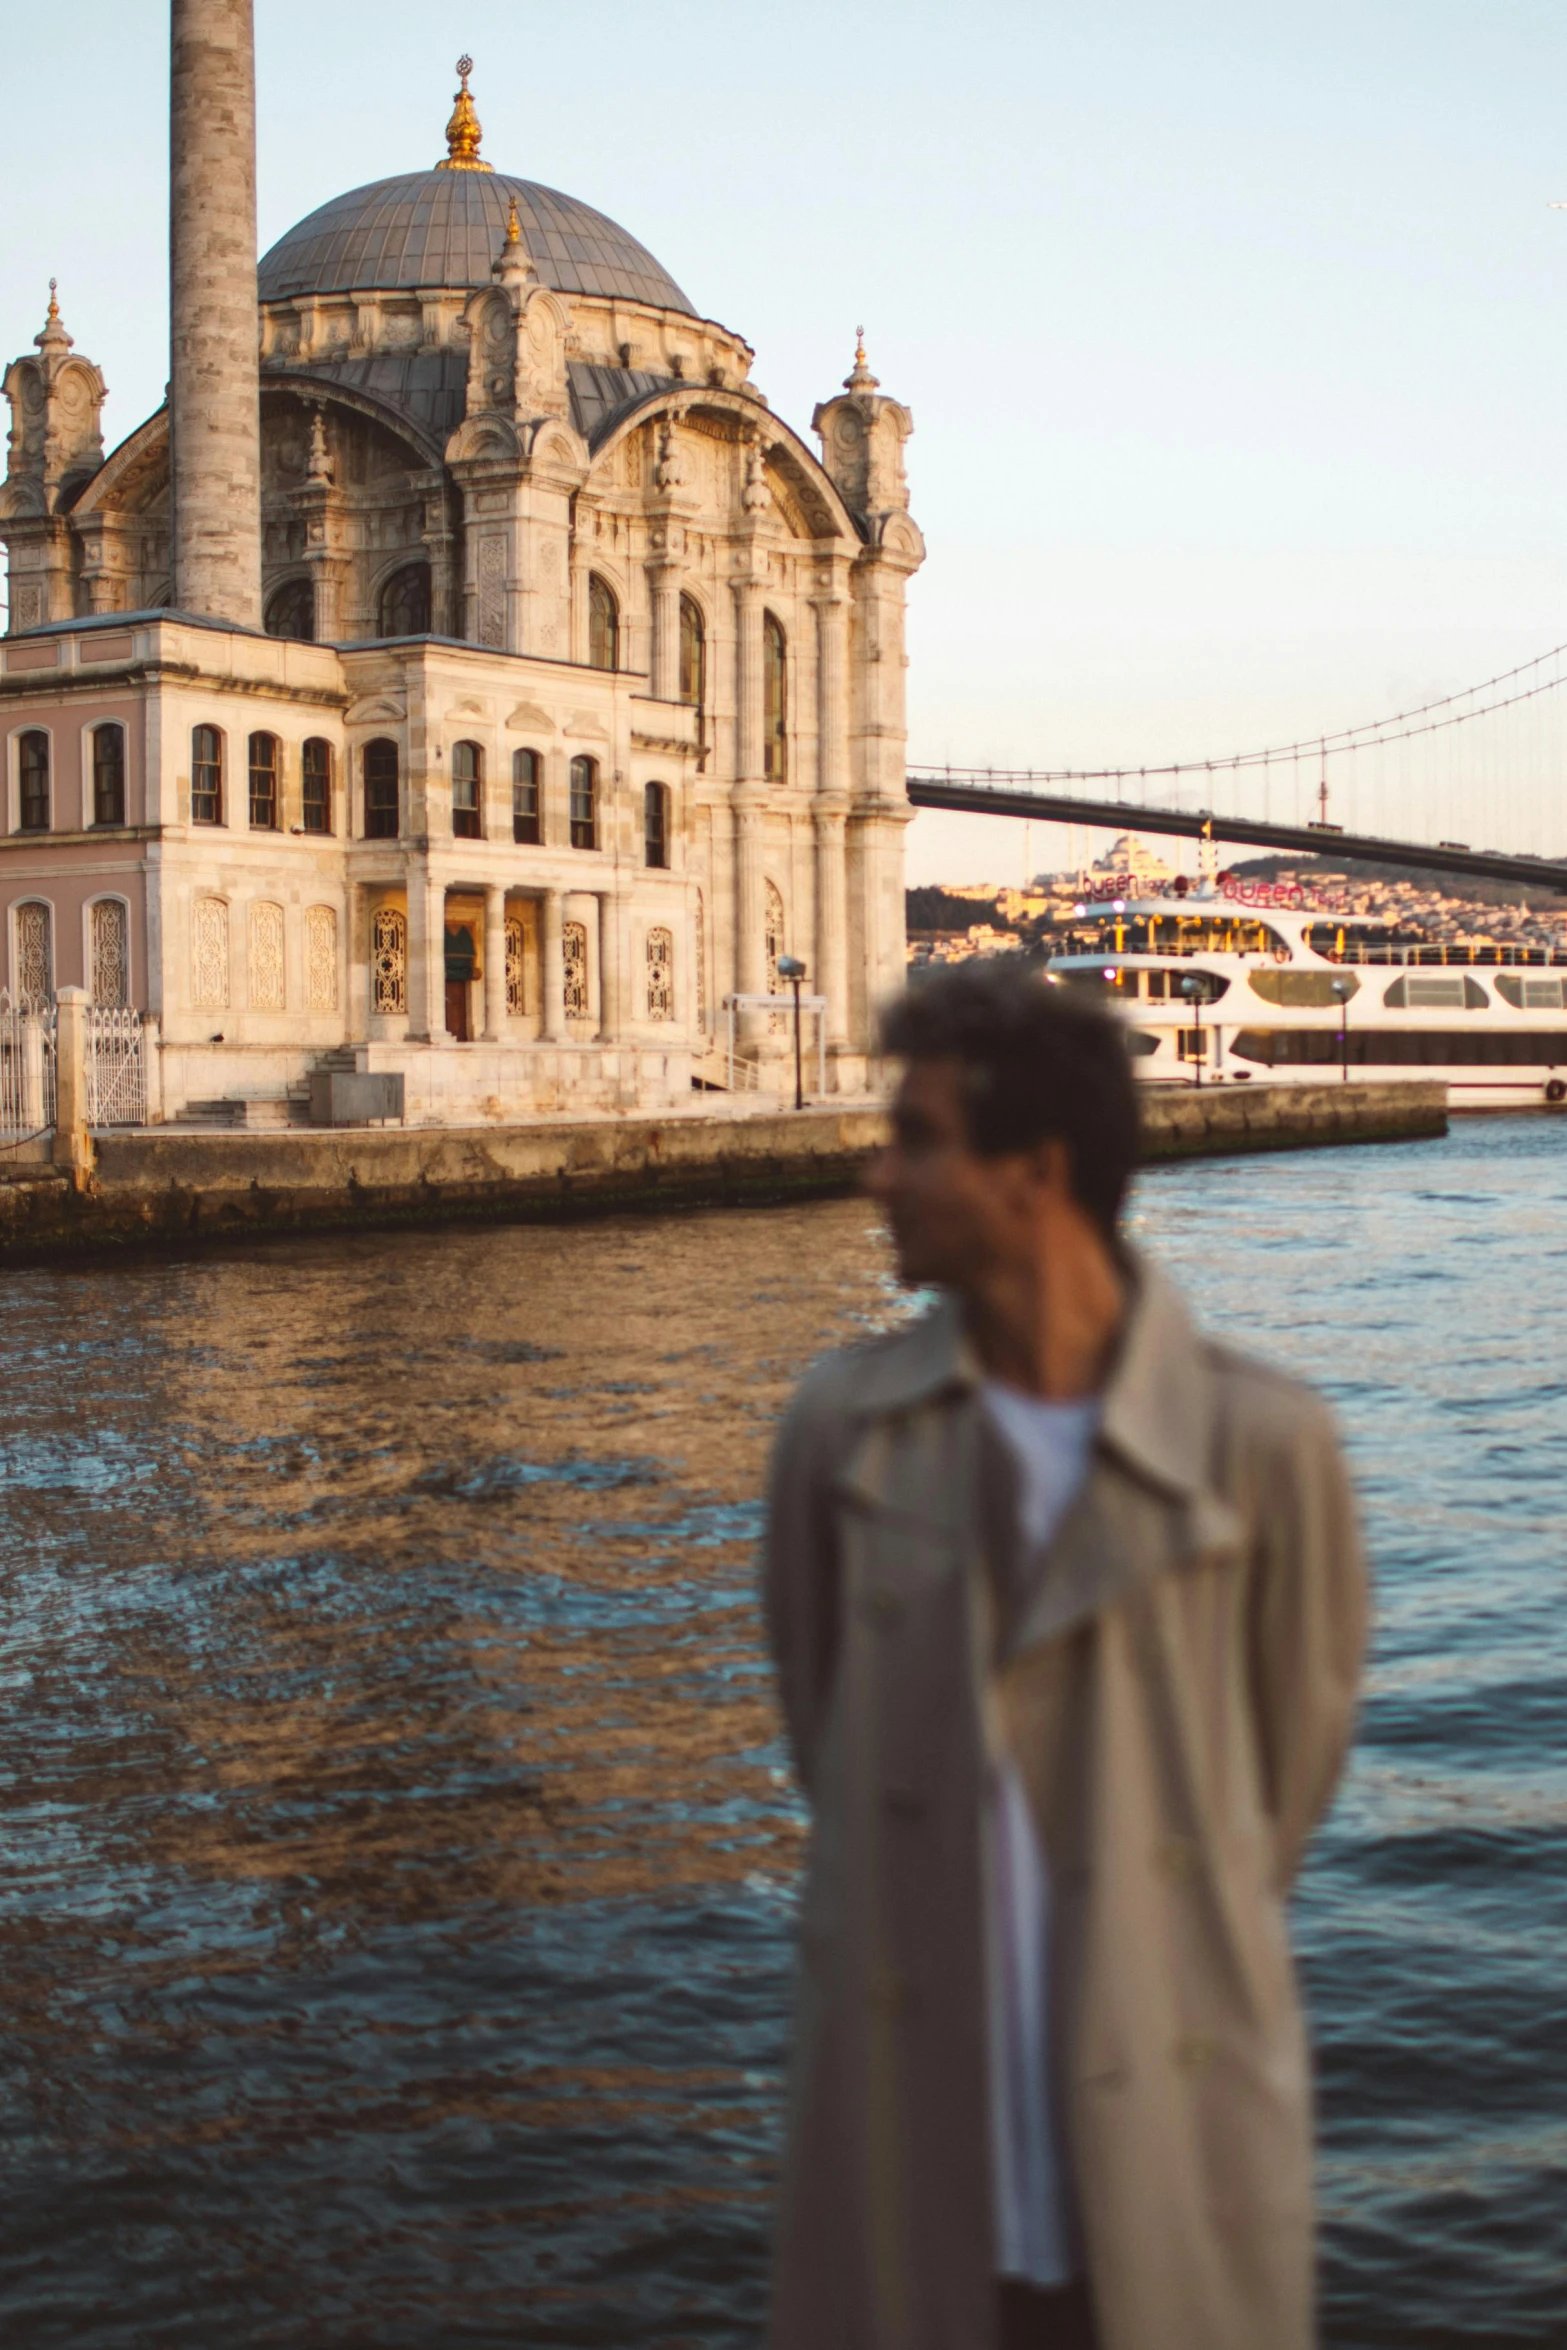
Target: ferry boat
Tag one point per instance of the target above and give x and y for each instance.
(1231, 982)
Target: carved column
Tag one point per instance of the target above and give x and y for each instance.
(552, 969)
(612, 973)
(832, 794)
(494, 964)
(664, 595)
(426, 954)
(750, 905)
(748, 680)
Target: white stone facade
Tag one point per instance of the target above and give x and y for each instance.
(591, 670)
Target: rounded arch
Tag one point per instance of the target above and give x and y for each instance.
(290, 609)
(403, 599)
(775, 699)
(106, 949)
(604, 622)
(31, 945)
(822, 506)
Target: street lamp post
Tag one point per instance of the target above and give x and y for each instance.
(1192, 989)
(791, 968)
(1342, 992)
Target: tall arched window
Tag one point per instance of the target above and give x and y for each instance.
(775, 700)
(263, 782)
(34, 968)
(693, 671)
(655, 824)
(109, 954)
(603, 624)
(315, 768)
(291, 611)
(206, 775)
(405, 602)
(467, 781)
(32, 765)
(108, 774)
(381, 789)
(527, 824)
(584, 803)
(661, 974)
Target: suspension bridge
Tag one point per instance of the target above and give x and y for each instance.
(1489, 762)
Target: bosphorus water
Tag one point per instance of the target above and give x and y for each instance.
(398, 1854)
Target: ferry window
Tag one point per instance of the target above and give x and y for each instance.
(1435, 991)
(381, 789)
(1140, 1044)
(316, 772)
(263, 783)
(108, 775)
(1191, 1044)
(33, 775)
(1529, 995)
(525, 824)
(206, 775)
(1303, 989)
(466, 772)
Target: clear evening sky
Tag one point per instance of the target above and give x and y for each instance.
(1236, 337)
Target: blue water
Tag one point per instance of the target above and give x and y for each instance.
(398, 1858)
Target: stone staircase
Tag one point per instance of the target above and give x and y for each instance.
(269, 1115)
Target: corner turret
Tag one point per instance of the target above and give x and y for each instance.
(56, 445)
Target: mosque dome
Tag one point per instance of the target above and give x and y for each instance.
(444, 228)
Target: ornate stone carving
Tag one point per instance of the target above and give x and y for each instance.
(34, 955)
(516, 965)
(266, 956)
(389, 960)
(660, 975)
(109, 942)
(574, 950)
(210, 954)
(492, 593)
(320, 959)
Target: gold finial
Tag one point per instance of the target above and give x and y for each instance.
(54, 307)
(861, 378)
(513, 225)
(465, 130)
(859, 346)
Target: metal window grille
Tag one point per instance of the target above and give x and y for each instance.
(316, 779)
(206, 775)
(584, 803)
(389, 960)
(525, 812)
(34, 955)
(33, 776)
(660, 975)
(263, 783)
(574, 952)
(109, 940)
(108, 774)
(516, 965)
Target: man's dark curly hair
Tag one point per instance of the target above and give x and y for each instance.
(1036, 1061)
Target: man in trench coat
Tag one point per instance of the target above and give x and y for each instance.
(1166, 1684)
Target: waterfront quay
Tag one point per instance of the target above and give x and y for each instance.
(401, 1850)
(164, 1186)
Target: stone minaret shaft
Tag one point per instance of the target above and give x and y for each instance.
(214, 389)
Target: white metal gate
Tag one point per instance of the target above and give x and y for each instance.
(26, 1066)
(116, 1068)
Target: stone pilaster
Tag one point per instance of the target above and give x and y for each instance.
(214, 398)
(426, 953)
(552, 968)
(494, 964)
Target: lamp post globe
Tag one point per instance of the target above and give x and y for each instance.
(791, 968)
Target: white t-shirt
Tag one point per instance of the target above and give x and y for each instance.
(1050, 1443)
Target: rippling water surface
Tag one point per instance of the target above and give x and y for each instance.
(397, 1855)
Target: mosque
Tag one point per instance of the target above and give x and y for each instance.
(465, 675)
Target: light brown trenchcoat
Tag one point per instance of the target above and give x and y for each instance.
(1177, 1689)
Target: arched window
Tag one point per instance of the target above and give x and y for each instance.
(34, 955)
(527, 823)
(584, 803)
(265, 957)
(660, 975)
(206, 775)
(209, 957)
(320, 958)
(109, 954)
(405, 602)
(603, 624)
(108, 774)
(775, 701)
(389, 960)
(574, 955)
(315, 767)
(291, 611)
(776, 944)
(693, 671)
(467, 778)
(263, 782)
(381, 789)
(32, 768)
(655, 824)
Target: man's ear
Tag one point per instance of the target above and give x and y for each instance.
(1050, 1164)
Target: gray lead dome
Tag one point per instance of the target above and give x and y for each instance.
(444, 228)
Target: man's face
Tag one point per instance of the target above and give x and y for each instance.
(954, 1216)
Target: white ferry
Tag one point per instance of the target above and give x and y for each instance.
(1230, 982)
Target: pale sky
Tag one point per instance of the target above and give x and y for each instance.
(1235, 337)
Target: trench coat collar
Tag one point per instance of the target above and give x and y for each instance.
(1158, 1402)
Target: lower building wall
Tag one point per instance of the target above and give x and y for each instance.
(444, 1085)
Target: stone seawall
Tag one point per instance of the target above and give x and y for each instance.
(166, 1188)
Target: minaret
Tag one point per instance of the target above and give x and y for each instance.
(214, 382)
